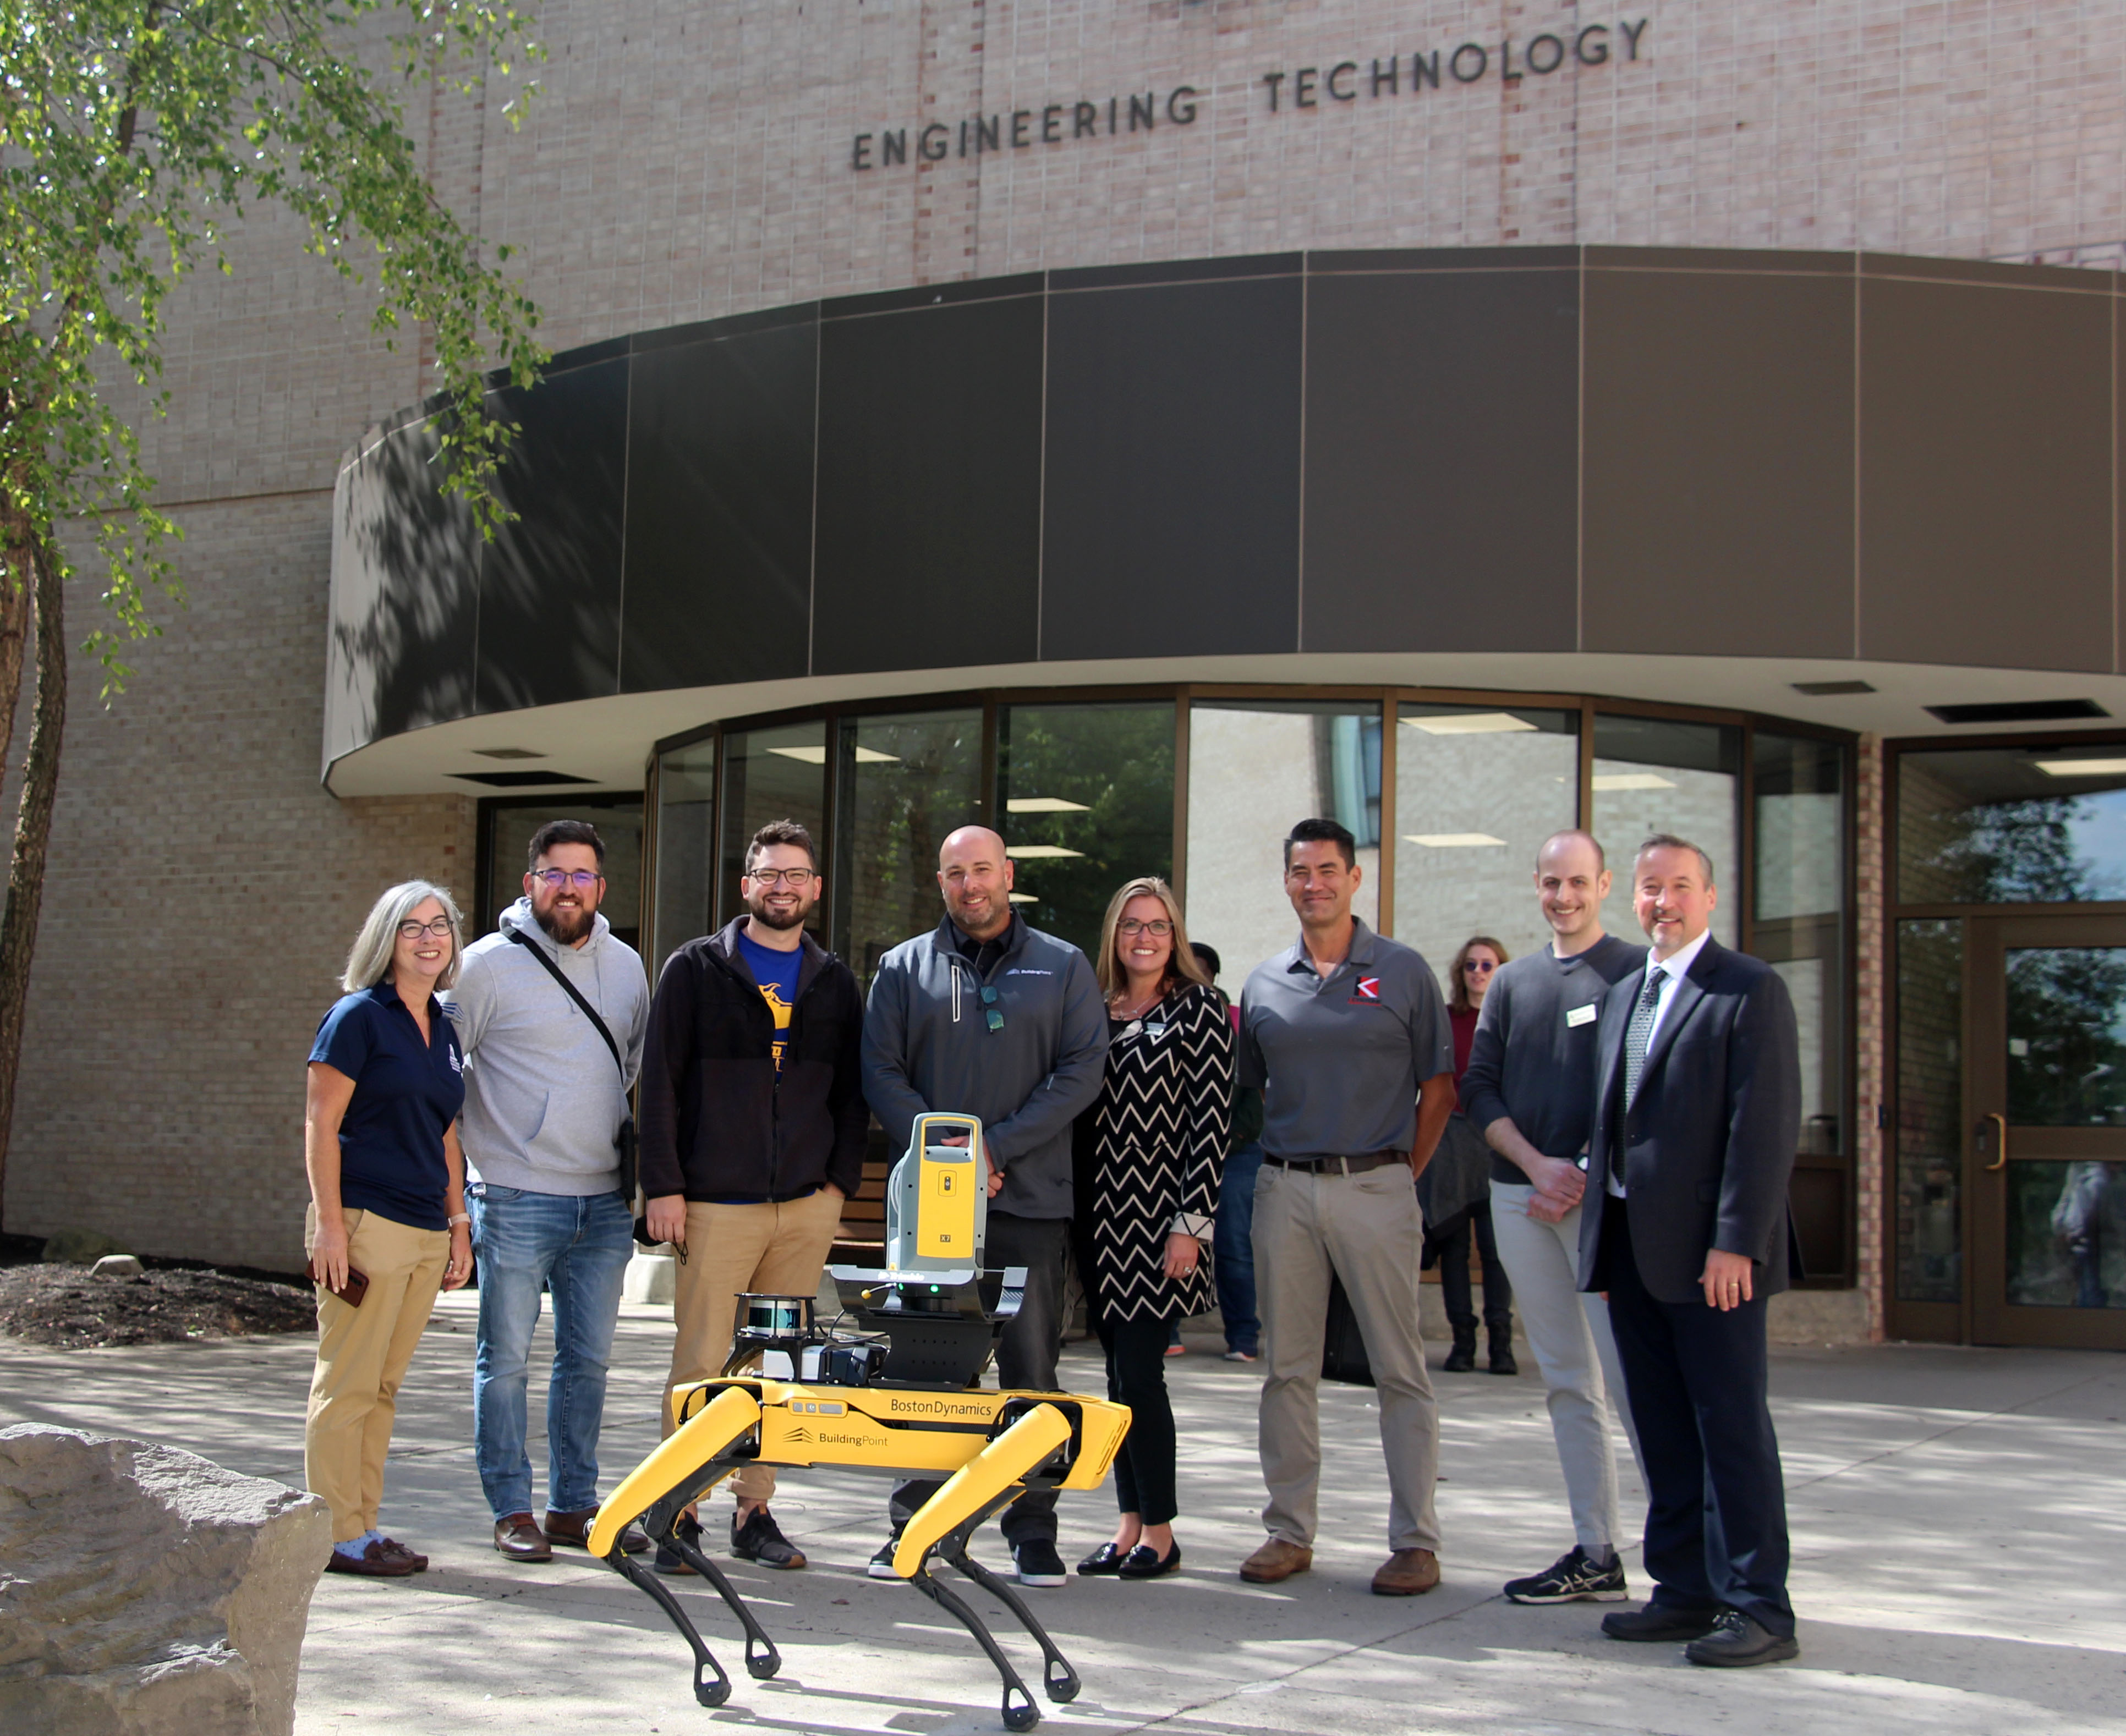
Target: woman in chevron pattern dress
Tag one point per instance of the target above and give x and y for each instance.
(1149, 1153)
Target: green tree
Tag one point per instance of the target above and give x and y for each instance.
(132, 133)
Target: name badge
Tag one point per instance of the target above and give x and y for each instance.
(1580, 1016)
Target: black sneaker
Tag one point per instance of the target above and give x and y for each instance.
(1572, 1579)
(882, 1564)
(1737, 1641)
(1038, 1564)
(669, 1561)
(757, 1538)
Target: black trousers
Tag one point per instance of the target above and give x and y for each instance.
(1454, 1273)
(1026, 1357)
(1136, 1376)
(1716, 1502)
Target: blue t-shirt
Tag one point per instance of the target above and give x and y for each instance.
(406, 1095)
(776, 971)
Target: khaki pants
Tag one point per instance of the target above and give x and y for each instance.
(778, 1249)
(363, 1354)
(1368, 1229)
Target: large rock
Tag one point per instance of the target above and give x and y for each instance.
(145, 1592)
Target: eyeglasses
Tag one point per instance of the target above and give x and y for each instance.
(1159, 928)
(796, 878)
(582, 879)
(412, 931)
(990, 1012)
(1483, 967)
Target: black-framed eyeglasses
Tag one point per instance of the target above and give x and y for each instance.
(440, 927)
(992, 1012)
(796, 878)
(1159, 927)
(582, 879)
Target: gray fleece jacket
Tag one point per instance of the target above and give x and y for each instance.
(543, 1100)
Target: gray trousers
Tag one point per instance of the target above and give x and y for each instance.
(1569, 1330)
(1367, 1228)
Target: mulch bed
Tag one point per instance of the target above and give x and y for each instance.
(64, 1307)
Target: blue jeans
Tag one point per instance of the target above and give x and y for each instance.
(579, 1249)
(1233, 1250)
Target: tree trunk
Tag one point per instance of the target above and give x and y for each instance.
(15, 569)
(33, 827)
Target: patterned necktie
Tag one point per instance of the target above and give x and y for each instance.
(1636, 1036)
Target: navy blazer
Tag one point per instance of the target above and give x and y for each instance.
(1709, 1143)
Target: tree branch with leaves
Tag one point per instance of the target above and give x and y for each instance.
(133, 134)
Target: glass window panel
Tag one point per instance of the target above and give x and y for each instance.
(1254, 769)
(2067, 1036)
(1929, 1134)
(1087, 796)
(1653, 776)
(776, 773)
(1800, 892)
(2012, 825)
(1477, 791)
(509, 838)
(686, 848)
(905, 782)
(2067, 1235)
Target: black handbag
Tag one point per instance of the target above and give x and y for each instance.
(624, 1140)
(1343, 1345)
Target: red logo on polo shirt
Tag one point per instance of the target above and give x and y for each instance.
(1369, 989)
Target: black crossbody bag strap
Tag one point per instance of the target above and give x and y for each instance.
(624, 1140)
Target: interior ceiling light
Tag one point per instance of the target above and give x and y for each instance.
(1470, 723)
(508, 753)
(1038, 852)
(1631, 780)
(1044, 804)
(2081, 767)
(1022, 898)
(818, 755)
(1452, 840)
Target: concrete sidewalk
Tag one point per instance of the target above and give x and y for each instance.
(1959, 1519)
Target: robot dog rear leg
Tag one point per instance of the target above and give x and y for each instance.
(1020, 1711)
(760, 1665)
(708, 1693)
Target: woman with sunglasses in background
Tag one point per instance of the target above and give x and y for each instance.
(1455, 1191)
(1149, 1154)
(387, 1225)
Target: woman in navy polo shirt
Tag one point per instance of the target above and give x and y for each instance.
(387, 1201)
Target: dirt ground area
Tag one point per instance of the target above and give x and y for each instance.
(63, 1307)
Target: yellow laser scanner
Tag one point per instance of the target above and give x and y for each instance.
(894, 1393)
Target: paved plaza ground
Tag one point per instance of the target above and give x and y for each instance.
(1959, 1521)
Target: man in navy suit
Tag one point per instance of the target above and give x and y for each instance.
(1698, 1114)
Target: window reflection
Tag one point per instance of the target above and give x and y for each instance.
(905, 782)
(1799, 889)
(775, 774)
(686, 848)
(2067, 1235)
(2067, 1036)
(1653, 776)
(1087, 798)
(1254, 768)
(1930, 1142)
(2012, 825)
(1477, 791)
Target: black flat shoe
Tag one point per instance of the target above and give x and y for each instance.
(1660, 1622)
(1107, 1558)
(1143, 1564)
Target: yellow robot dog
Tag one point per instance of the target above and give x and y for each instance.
(897, 1396)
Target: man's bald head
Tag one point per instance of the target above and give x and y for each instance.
(975, 874)
(1571, 882)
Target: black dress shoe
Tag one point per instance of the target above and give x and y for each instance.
(1144, 1562)
(1658, 1622)
(1738, 1641)
(1107, 1558)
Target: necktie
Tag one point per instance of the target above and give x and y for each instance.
(1636, 1035)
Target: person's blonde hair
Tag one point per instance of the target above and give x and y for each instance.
(369, 960)
(1184, 964)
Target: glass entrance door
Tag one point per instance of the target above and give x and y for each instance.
(2047, 1173)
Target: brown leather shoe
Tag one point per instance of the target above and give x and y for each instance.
(372, 1562)
(573, 1532)
(516, 1537)
(394, 1550)
(1407, 1573)
(1278, 1558)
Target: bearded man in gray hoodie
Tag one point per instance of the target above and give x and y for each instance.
(544, 1099)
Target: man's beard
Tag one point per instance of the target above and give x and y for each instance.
(565, 928)
(793, 918)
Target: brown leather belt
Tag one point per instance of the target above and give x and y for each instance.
(1339, 1166)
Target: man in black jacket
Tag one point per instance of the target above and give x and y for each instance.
(751, 1130)
(1697, 1117)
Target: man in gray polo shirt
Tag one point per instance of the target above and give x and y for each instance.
(1347, 1035)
